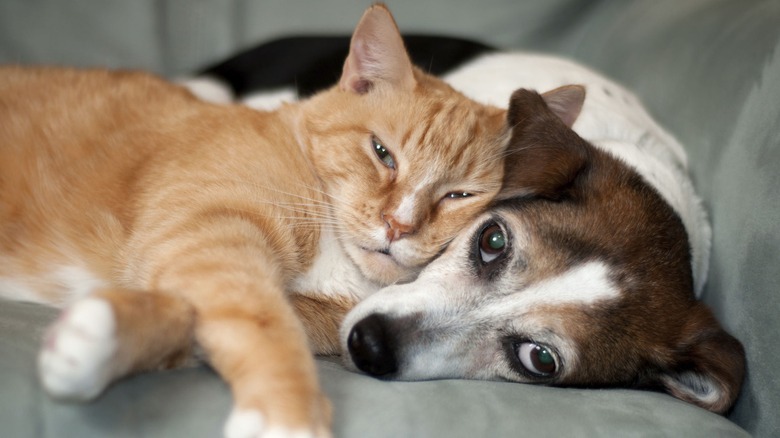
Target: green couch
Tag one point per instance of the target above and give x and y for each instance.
(708, 70)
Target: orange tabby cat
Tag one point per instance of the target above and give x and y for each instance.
(162, 221)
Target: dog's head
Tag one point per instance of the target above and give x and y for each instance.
(580, 275)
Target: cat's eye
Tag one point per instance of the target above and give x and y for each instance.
(492, 243)
(382, 153)
(457, 195)
(539, 360)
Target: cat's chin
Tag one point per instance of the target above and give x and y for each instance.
(381, 266)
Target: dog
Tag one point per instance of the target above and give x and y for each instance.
(585, 273)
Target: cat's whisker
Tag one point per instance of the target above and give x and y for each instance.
(302, 204)
(324, 193)
(317, 221)
(265, 187)
(305, 211)
(501, 155)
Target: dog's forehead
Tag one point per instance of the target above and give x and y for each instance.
(541, 307)
(535, 272)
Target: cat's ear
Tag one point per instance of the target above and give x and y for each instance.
(544, 156)
(566, 102)
(376, 54)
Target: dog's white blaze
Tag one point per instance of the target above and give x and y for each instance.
(585, 284)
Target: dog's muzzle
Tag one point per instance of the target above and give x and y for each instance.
(372, 346)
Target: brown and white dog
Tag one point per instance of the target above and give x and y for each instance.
(585, 273)
(587, 270)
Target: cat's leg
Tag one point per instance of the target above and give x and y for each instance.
(245, 325)
(112, 333)
(263, 355)
(321, 317)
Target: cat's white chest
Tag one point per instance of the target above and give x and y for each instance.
(333, 273)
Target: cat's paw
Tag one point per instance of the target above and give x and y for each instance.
(75, 361)
(249, 423)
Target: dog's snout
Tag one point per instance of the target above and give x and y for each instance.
(372, 346)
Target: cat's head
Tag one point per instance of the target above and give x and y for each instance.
(406, 160)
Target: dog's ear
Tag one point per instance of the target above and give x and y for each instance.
(708, 364)
(544, 155)
(376, 54)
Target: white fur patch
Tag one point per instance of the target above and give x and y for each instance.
(270, 100)
(244, 423)
(17, 290)
(333, 273)
(249, 423)
(77, 281)
(75, 361)
(585, 284)
(65, 283)
(208, 89)
(405, 211)
(215, 91)
(695, 385)
(281, 432)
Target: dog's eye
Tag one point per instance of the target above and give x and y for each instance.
(538, 360)
(492, 243)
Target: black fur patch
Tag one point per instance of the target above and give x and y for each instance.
(312, 63)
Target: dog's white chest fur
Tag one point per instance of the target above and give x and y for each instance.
(612, 119)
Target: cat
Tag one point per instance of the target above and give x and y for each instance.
(160, 222)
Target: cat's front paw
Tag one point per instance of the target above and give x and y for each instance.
(75, 361)
(250, 423)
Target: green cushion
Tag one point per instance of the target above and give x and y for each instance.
(194, 402)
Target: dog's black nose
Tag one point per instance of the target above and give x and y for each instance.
(372, 346)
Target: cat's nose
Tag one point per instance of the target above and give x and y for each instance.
(396, 229)
(371, 346)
